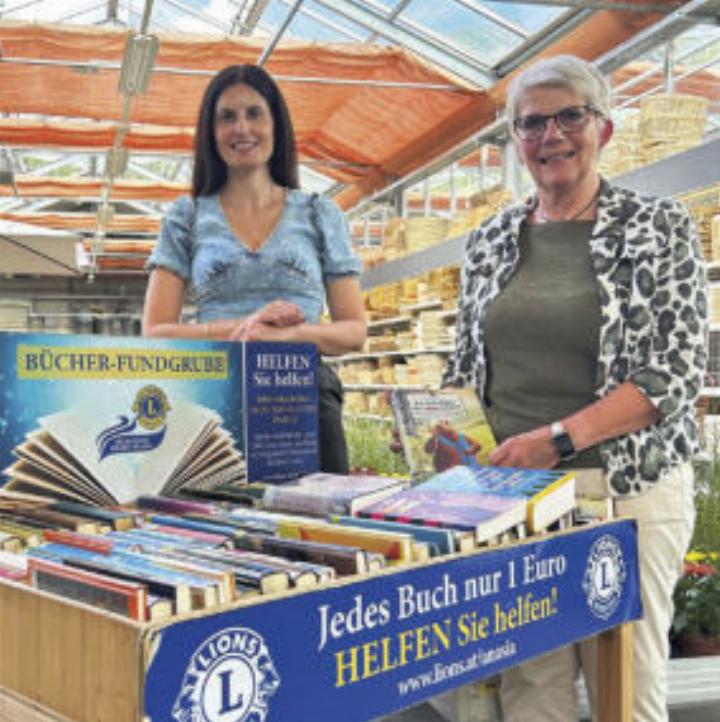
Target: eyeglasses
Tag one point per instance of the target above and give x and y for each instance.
(569, 120)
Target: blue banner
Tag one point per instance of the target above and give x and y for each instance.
(282, 411)
(359, 650)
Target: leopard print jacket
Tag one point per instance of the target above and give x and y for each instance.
(653, 299)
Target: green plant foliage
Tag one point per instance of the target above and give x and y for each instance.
(706, 536)
(369, 446)
(697, 600)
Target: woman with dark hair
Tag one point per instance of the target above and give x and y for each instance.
(261, 257)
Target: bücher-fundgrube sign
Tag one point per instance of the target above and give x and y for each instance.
(105, 419)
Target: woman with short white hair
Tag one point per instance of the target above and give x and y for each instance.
(583, 326)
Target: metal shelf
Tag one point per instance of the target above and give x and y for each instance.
(397, 321)
(678, 174)
(389, 354)
(387, 387)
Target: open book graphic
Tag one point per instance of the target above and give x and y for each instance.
(70, 457)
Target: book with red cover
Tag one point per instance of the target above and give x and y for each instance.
(115, 595)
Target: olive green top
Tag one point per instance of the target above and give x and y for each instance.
(541, 334)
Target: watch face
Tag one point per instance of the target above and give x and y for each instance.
(564, 445)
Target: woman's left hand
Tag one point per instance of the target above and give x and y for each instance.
(532, 450)
(258, 331)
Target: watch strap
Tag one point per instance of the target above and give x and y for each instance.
(561, 441)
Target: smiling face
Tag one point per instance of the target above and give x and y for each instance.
(244, 128)
(561, 161)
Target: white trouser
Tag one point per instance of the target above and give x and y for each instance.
(543, 690)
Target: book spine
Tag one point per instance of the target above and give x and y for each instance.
(208, 538)
(90, 589)
(153, 537)
(89, 542)
(243, 523)
(343, 559)
(192, 524)
(13, 575)
(392, 546)
(127, 561)
(29, 535)
(295, 500)
(167, 505)
(59, 519)
(440, 540)
(117, 519)
(10, 560)
(10, 542)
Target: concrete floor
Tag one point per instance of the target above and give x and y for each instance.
(426, 713)
(690, 679)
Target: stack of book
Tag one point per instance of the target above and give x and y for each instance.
(550, 494)
(488, 501)
(486, 517)
(167, 556)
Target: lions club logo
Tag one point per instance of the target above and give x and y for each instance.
(151, 407)
(604, 576)
(230, 678)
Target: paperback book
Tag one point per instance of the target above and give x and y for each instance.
(440, 429)
(102, 420)
(487, 516)
(321, 494)
(550, 494)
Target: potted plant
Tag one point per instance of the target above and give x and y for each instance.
(696, 627)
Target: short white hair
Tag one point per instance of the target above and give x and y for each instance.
(564, 71)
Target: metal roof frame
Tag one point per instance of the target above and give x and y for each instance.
(442, 54)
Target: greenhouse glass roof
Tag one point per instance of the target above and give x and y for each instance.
(376, 88)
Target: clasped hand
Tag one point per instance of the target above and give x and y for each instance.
(259, 326)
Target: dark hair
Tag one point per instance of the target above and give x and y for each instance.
(209, 170)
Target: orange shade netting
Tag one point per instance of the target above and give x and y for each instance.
(353, 128)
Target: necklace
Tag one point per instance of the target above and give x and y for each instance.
(544, 219)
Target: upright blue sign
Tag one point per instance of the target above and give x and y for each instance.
(282, 411)
(359, 650)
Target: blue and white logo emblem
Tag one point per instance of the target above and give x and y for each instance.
(604, 576)
(151, 408)
(230, 678)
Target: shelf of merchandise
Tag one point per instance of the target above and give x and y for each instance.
(710, 392)
(388, 354)
(404, 320)
(672, 176)
(389, 322)
(422, 306)
(386, 387)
